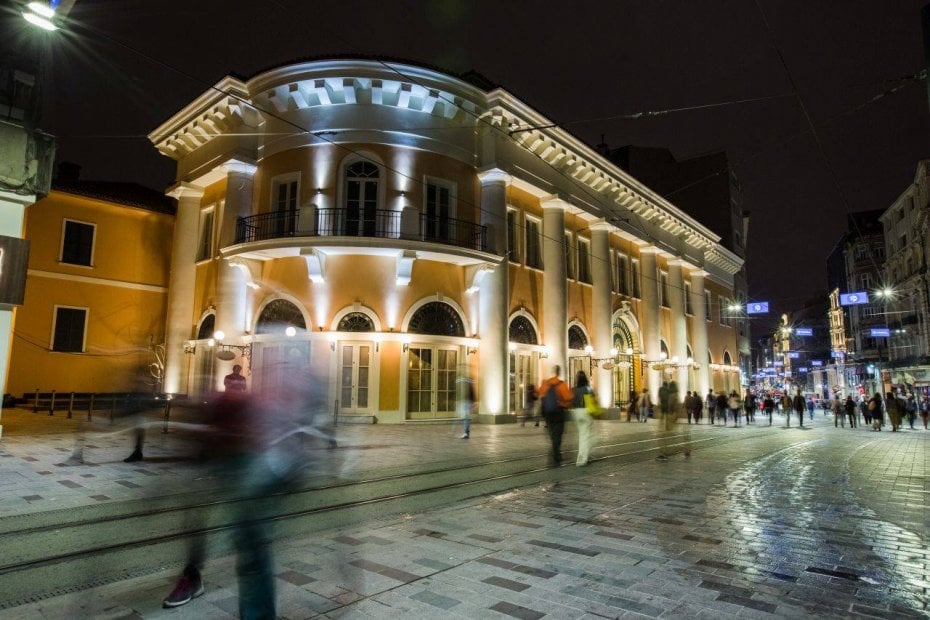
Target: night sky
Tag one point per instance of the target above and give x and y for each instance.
(132, 64)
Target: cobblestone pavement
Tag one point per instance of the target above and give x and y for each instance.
(820, 522)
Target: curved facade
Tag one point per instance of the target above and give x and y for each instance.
(411, 218)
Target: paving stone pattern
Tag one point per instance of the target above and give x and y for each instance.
(796, 523)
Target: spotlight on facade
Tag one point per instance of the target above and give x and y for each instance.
(290, 332)
(588, 349)
(219, 335)
(41, 15)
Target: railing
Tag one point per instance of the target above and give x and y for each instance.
(105, 403)
(379, 223)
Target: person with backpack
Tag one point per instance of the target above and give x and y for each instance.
(711, 403)
(645, 404)
(722, 404)
(581, 416)
(554, 397)
(529, 405)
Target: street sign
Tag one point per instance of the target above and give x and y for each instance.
(816, 363)
(793, 355)
(880, 332)
(757, 307)
(852, 299)
(802, 369)
(837, 354)
(779, 363)
(803, 331)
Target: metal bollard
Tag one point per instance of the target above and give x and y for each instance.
(70, 405)
(335, 412)
(90, 407)
(35, 403)
(51, 404)
(167, 414)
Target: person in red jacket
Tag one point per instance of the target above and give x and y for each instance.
(555, 396)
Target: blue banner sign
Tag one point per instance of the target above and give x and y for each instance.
(852, 299)
(816, 363)
(779, 363)
(802, 369)
(839, 354)
(793, 355)
(880, 332)
(757, 307)
(804, 331)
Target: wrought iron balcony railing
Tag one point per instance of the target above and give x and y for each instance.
(377, 223)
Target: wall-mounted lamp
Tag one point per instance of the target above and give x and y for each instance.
(588, 349)
(544, 354)
(471, 350)
(290, 331)
(190, 347)
(332, 341)
(512, 346)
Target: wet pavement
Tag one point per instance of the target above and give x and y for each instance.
(820, 522)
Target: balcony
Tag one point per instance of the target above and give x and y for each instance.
(376, 223)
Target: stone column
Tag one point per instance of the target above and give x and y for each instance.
(679, 335)
(493, 355)
(555, 311)
(180, 321)
(232, 296)
(699, 331)
(650, 317)
(601, 308)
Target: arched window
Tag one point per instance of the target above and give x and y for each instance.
(664, 348)
(277, 316)
(207, 327)
(726, 359)
(521, 330)
(438, 319)
(356, 322)
(576, 338)
(361, 199)
(689, 353)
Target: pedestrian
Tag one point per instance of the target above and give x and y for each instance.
(839, 413)
(850, 406)
(734, 406)
(875, 409)
(554, 397)
(768, 403)
(924, 410)
(864, 410)
(632, 408)
(810, 408)
(581, 416)
(669, 409)
(749, 406)
(645, 405)
(697, 407)
(529, 405)
(785, 403)
(911, 409)
(234, 381)
(465, 399)
(722, 404)
(710, 401)
(894, 409)
(799, 406)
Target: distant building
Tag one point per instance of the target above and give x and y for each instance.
(906, 273)
(706, 188)
(97, 288)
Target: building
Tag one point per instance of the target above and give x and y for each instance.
(394, 226)
(706, 188)
(95, 303)
(26, 154)
(906, 280)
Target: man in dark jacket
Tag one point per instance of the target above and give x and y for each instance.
(797, 403)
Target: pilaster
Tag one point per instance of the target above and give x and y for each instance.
(493, 356)
(600, 308)
(650, 317)
(555, 311)
(679, 335)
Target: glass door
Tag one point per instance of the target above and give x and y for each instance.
(522, 374)
(431, 382)
(354, 378)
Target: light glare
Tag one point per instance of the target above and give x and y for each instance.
(39, 21)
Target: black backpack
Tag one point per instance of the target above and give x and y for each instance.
(549, 405)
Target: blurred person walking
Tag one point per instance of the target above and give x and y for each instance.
(554, 397)
(839, 413)
(768, 405)
(749, 405)
(669, 410)
(529, 405)
(910, 409)
(925, 410)
(710, 401)
(850, 406)
(864, 405)
(799, 406)
(465, 399)
(734, 405)
(894, 408)
(582, 418)
(645, 405)
(810, 408)
(875, 408)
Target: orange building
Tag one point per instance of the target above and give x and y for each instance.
(397, 225)
(96, 289)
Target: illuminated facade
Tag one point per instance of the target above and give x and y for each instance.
(410, 225)
(96, 289)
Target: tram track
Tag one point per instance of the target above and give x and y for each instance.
(82, 549)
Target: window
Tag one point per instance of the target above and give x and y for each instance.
(205, 246)
(356, 322)
(707, 314)
(284, 206)
(436, 318)
(68, 333)
(522, 331)
(865, 281)
(513, 253)
(576, 338)
(635, 278)
(77, 243)
(533, 254)
(663, 289)
(361, 199)
(688, 309)
(623, 280)
(722, 310)
(438, 208)
(569, 268)
(277, 316)
(584, 260)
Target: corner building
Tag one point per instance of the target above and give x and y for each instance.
(411, 225)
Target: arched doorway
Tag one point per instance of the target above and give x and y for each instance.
(578, 357)
(276, 349)
(624, 372)
(356, 365)
(523, 361)
(431, 366)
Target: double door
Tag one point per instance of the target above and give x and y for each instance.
(355, 378)
(523, 374)
(431, 374)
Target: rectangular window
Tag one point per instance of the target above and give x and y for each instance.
(707, 313)
(614, 283)
(688, 309)
(77, 243)
(584, 260)
(865, 281)
(68, 333)
(623, 279)
(205, 245)
(513, 253)
(285, 195)
(721, 310)
(635, 279)
(439, 207)
(533, 253)
(569, 253)
(663, 289)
